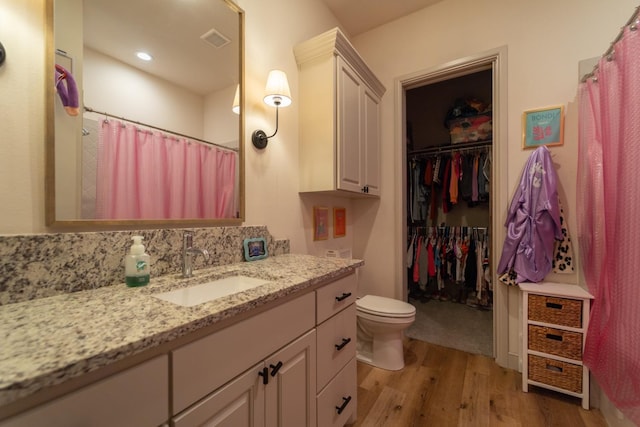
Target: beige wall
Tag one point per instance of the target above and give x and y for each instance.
(22, 116)
(545, 41)
(272, 30)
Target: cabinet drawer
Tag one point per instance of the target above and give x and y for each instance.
(564, 375)
(340, 393)
(204, 365)
(334, 297)
(554, 310)
(336, 344)
(555, 341)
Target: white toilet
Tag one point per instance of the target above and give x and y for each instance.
(381, 322)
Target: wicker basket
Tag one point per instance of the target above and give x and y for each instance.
(555, 341)
(566, 376)
(555, 311)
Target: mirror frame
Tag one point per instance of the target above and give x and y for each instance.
(49, 185)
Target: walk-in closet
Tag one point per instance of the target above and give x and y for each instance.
(448, 183)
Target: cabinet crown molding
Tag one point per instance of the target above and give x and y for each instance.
(334, 42)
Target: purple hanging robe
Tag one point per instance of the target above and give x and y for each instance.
(533, 221)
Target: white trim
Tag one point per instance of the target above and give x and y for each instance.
(495, 59)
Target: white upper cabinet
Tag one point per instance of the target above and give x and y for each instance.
(339, 118)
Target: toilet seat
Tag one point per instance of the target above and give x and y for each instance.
(385, 307)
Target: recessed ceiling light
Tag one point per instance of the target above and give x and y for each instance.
(144, 56)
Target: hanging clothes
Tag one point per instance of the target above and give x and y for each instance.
(533, 221)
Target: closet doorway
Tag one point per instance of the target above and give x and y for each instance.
(451, 126)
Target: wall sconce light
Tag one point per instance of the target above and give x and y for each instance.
(236, 101)
(277, 95)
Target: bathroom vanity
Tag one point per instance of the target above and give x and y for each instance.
(282, 353)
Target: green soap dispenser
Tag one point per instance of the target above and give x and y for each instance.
(137, 264)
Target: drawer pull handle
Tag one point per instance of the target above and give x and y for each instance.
(554, 368)
(344, 296)
(554, 305)
(345, 402)
(554, 337)
(345, 341)
(275, 369)
(265, 375)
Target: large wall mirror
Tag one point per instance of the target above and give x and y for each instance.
(133, 141)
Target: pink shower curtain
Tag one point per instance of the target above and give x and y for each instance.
(609, 227)
(149, 175)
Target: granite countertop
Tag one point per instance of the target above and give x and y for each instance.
(50, 340)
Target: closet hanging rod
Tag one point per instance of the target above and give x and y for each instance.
(450, 148)
(609, 51)
(442, 227)
(102, 113)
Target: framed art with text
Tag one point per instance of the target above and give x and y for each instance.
(543, 126)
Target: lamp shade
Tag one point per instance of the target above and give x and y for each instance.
(236, 101)
(277, 93)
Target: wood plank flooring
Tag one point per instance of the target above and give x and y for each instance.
(444, 387)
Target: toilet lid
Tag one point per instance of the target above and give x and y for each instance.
(387, 307)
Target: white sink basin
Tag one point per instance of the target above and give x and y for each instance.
(204, 292)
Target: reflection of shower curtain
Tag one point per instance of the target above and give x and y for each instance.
(148, 175)
(609, 225)
(89, 153)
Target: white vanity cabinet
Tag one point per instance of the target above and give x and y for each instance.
(138, 396)
(278, 386)
(261, 370)
(287, 383)
(249, 400)
(336, 332)
(339, 118)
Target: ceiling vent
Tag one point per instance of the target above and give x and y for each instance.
(215, 38)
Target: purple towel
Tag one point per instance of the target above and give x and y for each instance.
(69, 93)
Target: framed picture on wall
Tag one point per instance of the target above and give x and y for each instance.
(339, 222)
(543, 126)
(320, 223)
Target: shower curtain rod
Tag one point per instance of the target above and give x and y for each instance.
(102, 113)
(609, 51)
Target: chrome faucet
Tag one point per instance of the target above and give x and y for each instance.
(188, 251)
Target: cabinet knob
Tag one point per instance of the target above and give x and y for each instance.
(345, 402)
(344, 296)
(275, 369)
(265, 375)
(345, 341)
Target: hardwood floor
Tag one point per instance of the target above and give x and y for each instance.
(443, 387)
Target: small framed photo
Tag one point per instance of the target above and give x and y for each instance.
(543, 126)
(255, 249)
(339, 222)
(320, 223)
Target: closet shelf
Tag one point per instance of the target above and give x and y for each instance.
(450, 148)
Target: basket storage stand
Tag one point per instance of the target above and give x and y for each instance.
(555, 318)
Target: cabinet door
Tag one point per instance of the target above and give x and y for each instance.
(136, 397)
(204, 365)
(240, 403)
(371, 143)
(290, 394)
(349, 111)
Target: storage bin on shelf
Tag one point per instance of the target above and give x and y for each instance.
(471, 129)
